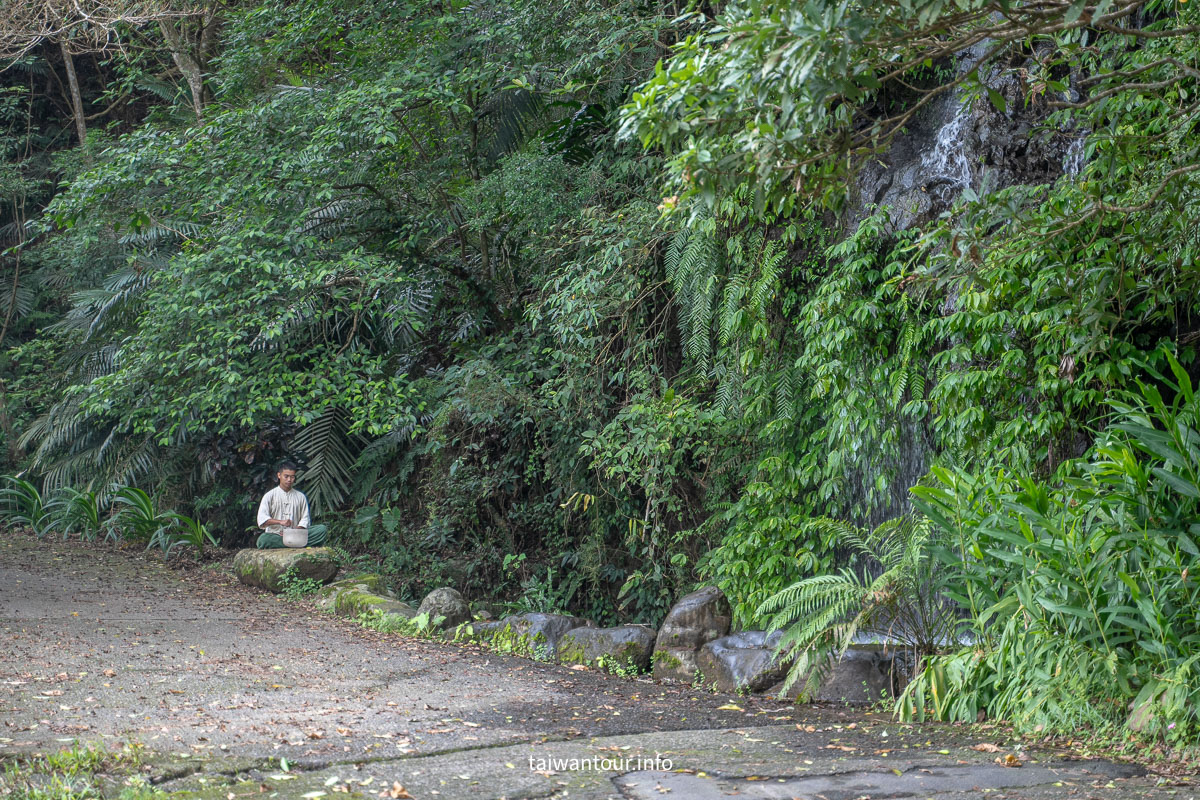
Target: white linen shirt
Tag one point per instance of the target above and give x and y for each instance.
(278, 504)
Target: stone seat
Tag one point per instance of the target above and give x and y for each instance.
(264, 569)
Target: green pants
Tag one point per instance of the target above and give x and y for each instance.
(268, 540)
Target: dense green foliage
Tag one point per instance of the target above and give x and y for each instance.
(1080, 593)
(586, 303)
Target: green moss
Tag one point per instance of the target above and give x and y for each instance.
(371, 582)
(571, 653)
(627, 652)
(666, 659)
(352, 602)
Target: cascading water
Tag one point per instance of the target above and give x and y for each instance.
(947, 169)
(1074, 158)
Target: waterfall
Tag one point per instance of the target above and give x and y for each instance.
(946, 166)
(1073, 159)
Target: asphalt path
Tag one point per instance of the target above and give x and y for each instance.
(224, 687)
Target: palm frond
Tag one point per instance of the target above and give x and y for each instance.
(329, 451)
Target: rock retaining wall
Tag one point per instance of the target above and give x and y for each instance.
(693, 646)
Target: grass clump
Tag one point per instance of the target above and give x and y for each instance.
(79, 772)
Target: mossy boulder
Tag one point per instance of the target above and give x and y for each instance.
(673, 664)
(448, 604)
(328, 595)
(693, 622)
(482, 631)
(369, 582)
(353, 601)
(861, 676)
(264, 569)
(533, 635)
(628, 646)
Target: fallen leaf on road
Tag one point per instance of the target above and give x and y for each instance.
(398, 792)
(986, 747)
(729, 707)
(1009, 761)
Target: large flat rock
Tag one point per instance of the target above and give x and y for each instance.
(264, 569)
(534, 635)
(742, 662)
(625, 648)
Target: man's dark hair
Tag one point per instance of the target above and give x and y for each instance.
(286, 465)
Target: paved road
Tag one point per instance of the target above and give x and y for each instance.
(220, 683)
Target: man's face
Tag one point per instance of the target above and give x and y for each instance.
(287, 477)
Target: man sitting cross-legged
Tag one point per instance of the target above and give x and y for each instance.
(283, 514)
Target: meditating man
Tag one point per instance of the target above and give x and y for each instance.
(283, 515)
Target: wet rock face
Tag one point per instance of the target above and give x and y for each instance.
(695, 620)
(628, 646)
(447, 603)
(954, 144)
(265, 569)
(743, 661)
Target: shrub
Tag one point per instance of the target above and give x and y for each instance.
(137, 518)
(182, 530)
(295, 586)
(21, 503)
(79, 512)
(1082, 595)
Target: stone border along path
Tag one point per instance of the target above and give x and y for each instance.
(219, 683)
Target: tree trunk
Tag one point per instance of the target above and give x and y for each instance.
(6, 426)
(187, 63)
(75, 97)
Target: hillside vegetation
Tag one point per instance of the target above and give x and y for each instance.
(586, 303)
